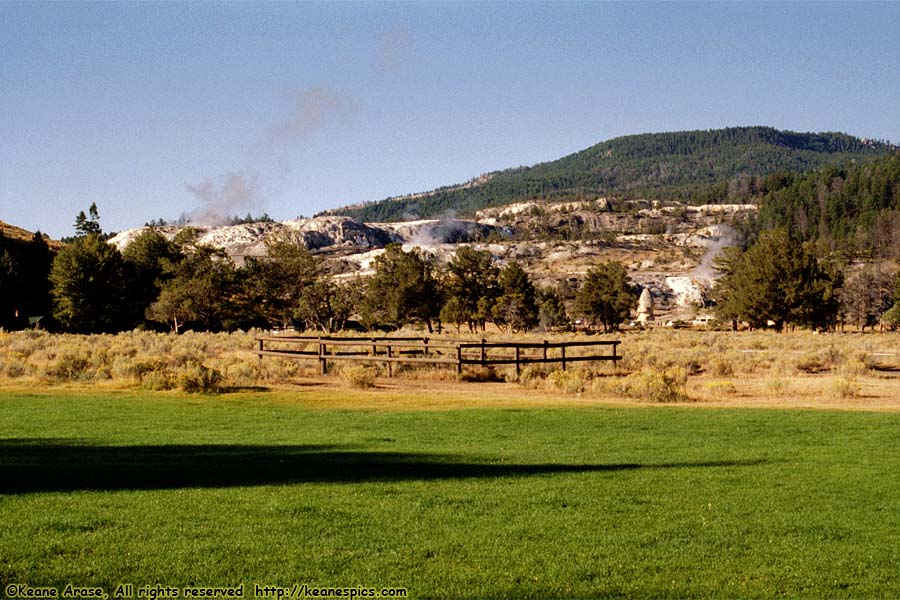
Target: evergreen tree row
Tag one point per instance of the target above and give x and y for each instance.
(782, 281)
(180, 284)
(855, 210)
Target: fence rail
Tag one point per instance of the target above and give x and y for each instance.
(427, 351)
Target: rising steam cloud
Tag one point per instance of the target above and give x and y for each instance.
(314, 109)
(394, 48)
(235, 193)
(706, 271)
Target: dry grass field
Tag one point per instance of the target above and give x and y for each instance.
(703, 368)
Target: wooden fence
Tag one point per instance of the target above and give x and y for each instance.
(427, 351)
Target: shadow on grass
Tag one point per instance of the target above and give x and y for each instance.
(41, 465)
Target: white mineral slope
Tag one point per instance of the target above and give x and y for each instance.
(344, 233)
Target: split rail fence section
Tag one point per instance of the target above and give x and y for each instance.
(425, 351)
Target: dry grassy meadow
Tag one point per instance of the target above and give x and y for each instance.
(708, 368)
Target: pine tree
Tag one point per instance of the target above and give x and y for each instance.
(88, 224)
(275, 284)
(516, 307)
(777, 281)
(403, 288)
(472, 279)
(200, 291)
(606, 296)
(150, 261)
(552, 308)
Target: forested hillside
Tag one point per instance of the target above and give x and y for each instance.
(855, 209)
(696, 166)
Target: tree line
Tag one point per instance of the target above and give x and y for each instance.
(782, 281)
(24, 280)
(854, 210)
(179, 284)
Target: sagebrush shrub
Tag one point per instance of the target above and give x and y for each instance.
(360, 377)
(531, 377)
(844, 387)
(481, 374)
(656, 385)
(198, 379)
(157, 381)
(68, 366)
(855, 367)
(722, 367)
(572, 381)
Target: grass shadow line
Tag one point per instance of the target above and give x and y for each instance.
(33, 466)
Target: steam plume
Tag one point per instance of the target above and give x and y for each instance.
(393, 48)
(705, 270)
(236, 193)
(313, 110)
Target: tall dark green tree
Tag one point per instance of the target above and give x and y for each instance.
(150, 260)
(865, 297)
(607, 295)
(404, 288)
(516, 308)
(275, 284)
(454, 312)
(24, 280)
(9, 274)
(472, 282)
(778, 280)
(201, 291)
(327, 305)
(88, 224)
(551, 308)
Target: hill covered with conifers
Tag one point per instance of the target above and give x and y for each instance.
(855, 208)
(710, 166)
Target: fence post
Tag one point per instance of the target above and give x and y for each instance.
(614, 361)
(323, 365)
(374, 347)
(483, 353)
(563, 350)
(458, 359)
(389, 363)
(545, 351)
(425, 351)
(517, 361)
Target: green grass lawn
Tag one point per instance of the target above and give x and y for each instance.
(478, 503)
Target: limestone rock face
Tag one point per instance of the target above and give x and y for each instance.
(688, 291)
(324, 233)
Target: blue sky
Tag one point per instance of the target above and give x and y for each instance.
(158, 109)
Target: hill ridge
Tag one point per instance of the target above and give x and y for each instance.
(697, 166)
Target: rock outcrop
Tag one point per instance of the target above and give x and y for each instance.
(341, 235)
